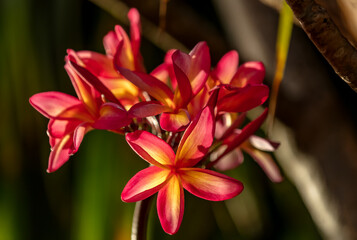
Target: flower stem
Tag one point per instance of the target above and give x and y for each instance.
(140, 219)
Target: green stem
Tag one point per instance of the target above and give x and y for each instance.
(140, 219)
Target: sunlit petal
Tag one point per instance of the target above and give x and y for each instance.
(196, 140)
(170, 205)
(98, 64)
(60, 153)
(174, 122)
(111, 42)
(226, 67)
(249, 73)
(210, 185)
(144, 184)
(263, 144)
(151, 148)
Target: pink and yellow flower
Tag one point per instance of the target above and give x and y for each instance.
(71, 118)
(188, 72)
(170, 173)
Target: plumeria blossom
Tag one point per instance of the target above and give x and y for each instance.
(71, 118)
(125, 53)
(170, 173)
(189, 71)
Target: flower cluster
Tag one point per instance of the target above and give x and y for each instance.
(184, 118)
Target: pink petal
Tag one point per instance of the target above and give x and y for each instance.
(210, 185)
(95, 82)
(60, 128)
(243, 99)
(174, 122)
(134, 18)
(226, 67)
(145, 183)
(151, 148)
(98, 64)
(228, 131)
(184, 92)
(52, 104)
(149, 84)
(200, 66)
(124, 55)
(112, 117)
(111, 42)
(263, 144)
(228, 161)
(249, 73)
(78, 135)
(147, 109)
(196, 140)
(161, 72)
(170, 205)
(266, 162)
(60, 153)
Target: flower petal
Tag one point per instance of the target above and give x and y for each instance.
(112, 117)
(249, 73)
(263, 144)
(200, 66)
(134, 18)
(110, 42)
(78, 135)
(174, 122)
(98, 64)
(170, 205)
(59, 128)
(196, 140)
(124, 55)
(147, 109)
(266, 162)
(226, 67)
(210, 185)
(52, 104)
(144, 184)
(184, 92)
(151, 148)
(60, 153)
(149, 84)
(243, 99)
(229, 161)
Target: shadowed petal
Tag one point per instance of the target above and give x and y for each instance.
(249, 73)
(111, 42)
(263, 144)
(147, 109)
(170, 205)
(243, 99)
(174, 122)
(210, 185)
(52, 104)
(144, 184)
(134, 18)
(226, 67)
(111, 117)
(229, 161)
(151, 148)
(266, 162)
(196, 140)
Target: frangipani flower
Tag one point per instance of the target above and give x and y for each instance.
(71, 118)
(170, 173)
(190, 72)
(125, 53)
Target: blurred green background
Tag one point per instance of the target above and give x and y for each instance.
(81, 201)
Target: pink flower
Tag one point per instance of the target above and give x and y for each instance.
(189, 73)
(71, 118)
(171, 173)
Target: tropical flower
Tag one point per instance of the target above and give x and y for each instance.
(170, 173)
(120, 51)
(71, 118)
(188, 73)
